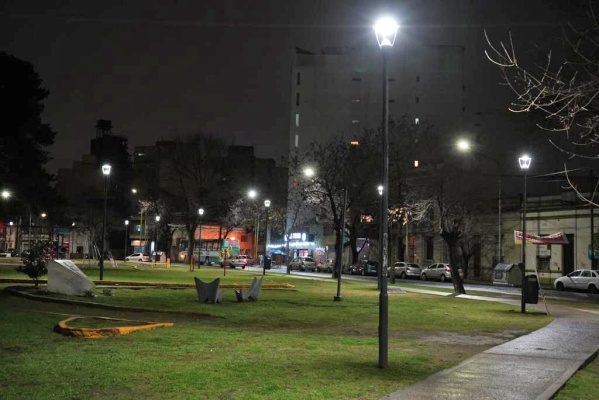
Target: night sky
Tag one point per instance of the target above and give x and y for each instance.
(157, 68)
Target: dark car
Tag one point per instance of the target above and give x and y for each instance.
(364, 267)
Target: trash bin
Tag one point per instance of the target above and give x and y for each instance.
(532, 289)
(267, 262)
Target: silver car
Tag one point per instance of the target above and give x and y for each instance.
(440, 271)
(581, 279)
(303, 264)
(405, 270)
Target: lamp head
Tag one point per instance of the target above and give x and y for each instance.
(126, 222)
(463, 145)
(267, 203)
(106, 169)
(309, 172)
(380, 189)
(5, 194)
(386, 31)
(158, 218)
(525, 161)
(201, 212)
(252, 194)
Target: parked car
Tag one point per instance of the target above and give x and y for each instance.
(440, 271)
(141, 257)
(581, 279)
(327, 266)
(405, 270)
(240, 261)
(364, 267)
(4, 253)
(303, 264)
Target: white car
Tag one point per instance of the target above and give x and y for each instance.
(581, 279)
(405, 270)
(141, 257)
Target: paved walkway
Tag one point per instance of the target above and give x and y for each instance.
(534, 366)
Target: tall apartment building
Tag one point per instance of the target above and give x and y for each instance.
(339, 90)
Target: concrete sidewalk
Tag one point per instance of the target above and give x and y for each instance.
(534, 366)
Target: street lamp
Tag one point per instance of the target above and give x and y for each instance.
(200, 213)
(126, 234)
(386, 31)
(252, 194)
(156, 241)
(106, 171)
(524, 162)
(267, 205)
(5, 194)
(465, 146)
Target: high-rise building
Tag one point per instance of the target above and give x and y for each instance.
(339, 90)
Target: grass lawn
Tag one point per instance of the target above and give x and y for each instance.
(294, 343)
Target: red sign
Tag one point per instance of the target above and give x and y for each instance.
(555, 238)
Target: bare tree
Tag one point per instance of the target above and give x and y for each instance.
(564, 88)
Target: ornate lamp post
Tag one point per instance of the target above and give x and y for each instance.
(386, 31)
(106, 172)
(524, 162)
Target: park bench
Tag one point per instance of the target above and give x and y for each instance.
(251, 294)
(209, 292)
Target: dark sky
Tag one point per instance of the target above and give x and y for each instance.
(156, 68)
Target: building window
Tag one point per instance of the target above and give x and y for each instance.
(390, 79)
(296, 120)
(297, 97)
(417, 99)
(416, 121)
(296, 140)
(355, 121)
(355, 100)
(391, 100)
(356, 79)
(298, 78)
(430, 247)
(417, 78)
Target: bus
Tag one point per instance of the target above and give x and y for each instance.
(210, 253)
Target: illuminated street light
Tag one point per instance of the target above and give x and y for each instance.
(386, 31)
(201, 214)
(524, 162)
(5, 194)
(106, 168)
(267, 205)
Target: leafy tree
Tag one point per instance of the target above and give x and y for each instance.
(25, 137)
(35, 262)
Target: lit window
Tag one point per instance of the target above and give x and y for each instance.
(296, 140)
(355, 121)
(416, 121)
(355, 100)
(416, 164)
(296, 120)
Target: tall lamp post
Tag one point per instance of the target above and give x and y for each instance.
(156, 241)
(126, 234)
(524, 162)
(267, 205)
(106, 171)
(252, 195)
(386, 31)
(338, 297)
(464, 146)
(200, 213)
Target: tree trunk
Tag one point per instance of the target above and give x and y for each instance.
(455, 259)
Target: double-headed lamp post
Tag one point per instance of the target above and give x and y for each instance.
(106, 168)
(524, 162)
(267, 205)
(386, 31)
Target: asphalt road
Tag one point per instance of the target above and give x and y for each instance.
(515, 291)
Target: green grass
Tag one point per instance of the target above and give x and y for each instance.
(292, 344)
(583, 385)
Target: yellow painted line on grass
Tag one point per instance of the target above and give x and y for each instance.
(95, 333)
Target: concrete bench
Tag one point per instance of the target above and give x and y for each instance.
(209, 292)
(251, 294)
